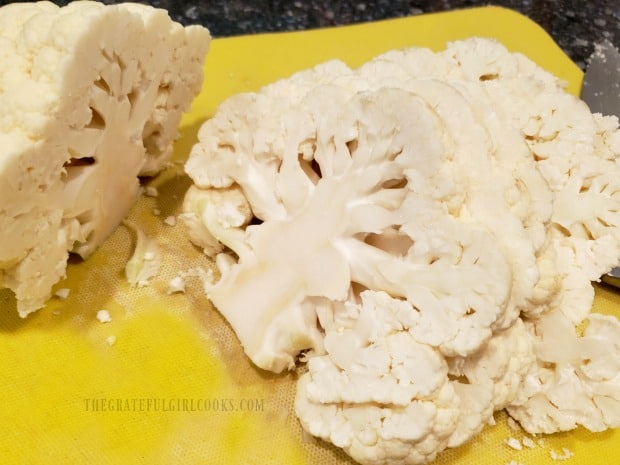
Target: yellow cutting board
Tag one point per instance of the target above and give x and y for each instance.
(174, 387)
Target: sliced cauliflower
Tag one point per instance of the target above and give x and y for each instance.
(455, 199)
(377, 392)
(375, 434)
(418, 402)
(502, 364)
(576, 380)
(372, 355)
(577, 154)
(372, 194)
(90, 98)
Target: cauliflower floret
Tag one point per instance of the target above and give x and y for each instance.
(576, 380)
(226, 211)
(377, 392)
(374, 434)
(576, 152)
(419, 402)
(455, 83)
(373, 355)
(502, 363)
(90, 99)
(435, 269)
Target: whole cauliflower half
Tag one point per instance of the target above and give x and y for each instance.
(90, 99)
(411, 229)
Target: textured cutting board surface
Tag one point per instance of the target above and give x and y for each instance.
(175, 387)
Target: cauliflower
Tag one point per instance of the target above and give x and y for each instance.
(501, 364)
(577, 385)
(429, 207)
(377, 392)
(146, 258)
(384, 396)
(328, 249)
(90, 98)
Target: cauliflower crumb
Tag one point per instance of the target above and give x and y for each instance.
(206, 276)
(513, 443)
(564, 455)
(63, 293)
(541, 442)
(104, 316)
(111, 340)
(151, 191)
(514, 462)
(176, 284)
(171, 220)
(156, 211)
(528, 442)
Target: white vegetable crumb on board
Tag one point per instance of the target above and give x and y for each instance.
(171, 220)
(63, 293)
(178, 283)
(151, 191)
(156, 211)
(104, 316)
(206, 275)
(111, 340)
(514, 462)
(513, 443)
(565, 454)
(175, 285)
(528, 442)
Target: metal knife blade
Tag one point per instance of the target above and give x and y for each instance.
(601, 91)
(601, 83)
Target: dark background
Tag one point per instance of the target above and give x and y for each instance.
(576, 25)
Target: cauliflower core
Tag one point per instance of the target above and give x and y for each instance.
(90, 98)
(423, 232)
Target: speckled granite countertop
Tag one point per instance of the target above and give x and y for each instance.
(576, 25)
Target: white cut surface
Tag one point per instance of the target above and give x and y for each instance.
(90, 100)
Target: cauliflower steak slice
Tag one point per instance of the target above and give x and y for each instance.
(578, 385)
(422, 232)
(371, 233)
(90, 97)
